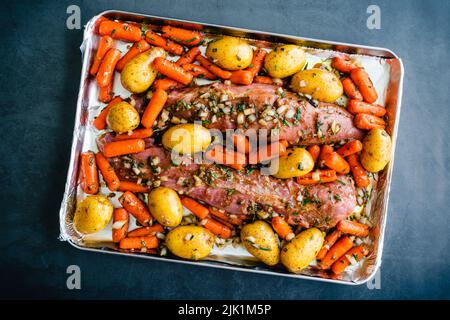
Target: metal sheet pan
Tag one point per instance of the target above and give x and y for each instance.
(386, 71)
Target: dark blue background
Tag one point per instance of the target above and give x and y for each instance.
(40, 71)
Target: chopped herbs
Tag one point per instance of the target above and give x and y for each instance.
(341, 182)
(337, 197)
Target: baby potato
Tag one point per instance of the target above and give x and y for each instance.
(92, 214)
(122, 117)
(321, 84)
(302, 250)
(284, 61)
(230, 53)
(296, 163)
(190, 242)
(165, 205)
(139, 73)
(187, 138)
(260, 240)
(377, 149)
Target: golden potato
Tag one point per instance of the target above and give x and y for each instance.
(377, 149)
(230, 53)
(92, 214)
(165, 206)
(284, 61)
(296, 163)
(320, 84)
(187, 138)
(122, 117)
(302, 250)
(139, 73)
(260, 240)
(190, 242)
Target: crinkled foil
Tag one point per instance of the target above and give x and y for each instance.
(386, 71)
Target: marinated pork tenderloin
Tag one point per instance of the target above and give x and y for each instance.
(262, 106)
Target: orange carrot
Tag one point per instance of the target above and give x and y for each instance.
(353, 227)
(359, 173)
(241, 143)
(217, 228)
(100, 121)
(199, 71)
(263, 79)
(120, 224)
(317, 176)
(98, 22)
(336, 162)
(349, 148)
(148, 242)
(104, 45)
(89, 173)
(362, 80)
(326, 149)
(355, 107)
(196, 208)
(105, 94)
(285, 143)
(172, 70)
(135, 134)
(167, 84)
(186, 25)
(356, 252)
(118, 148)
(136, 49)
(268, 152)
(213, 68)
(241, 77)
(218, 213)
(330, 239)
(183, 36)
(120, 30)
(314, 150)
(336, 252)
(135, 206)
(221, 155)
(146, 231)
(106, 70)
(189, 56)
(343, 64)
(167, 45)
(351, 90)
(107, 172)
(257, 61)
(154, 107)
(132, 187)
(367, 121)
(283, 229)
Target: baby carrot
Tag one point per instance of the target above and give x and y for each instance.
(355, 107)
(146, 231)
(120, 30)
(314, 150)
(362, 80)
(105, 94)
(282, 228)
(154, 107)
(342, 64)
(213, 68)
(356, 252)
(367, 121)
(241, 77)
(196, 208)
(135, 206)
(359, 173)
(100, 122)
(336, 162)
(263, 79)
(166, 84)
(89, 173)
(106, 70)
(268, 152)
(167, 45)
(183, 36)
(351, 90)
(257, 61)
(225, 217)
(107, 172)
(227, 157)
(349, 148)
(241, 143)
(199, 71)
(189, 56)
(353, 227)
(172, 70)
(137, 48)
(135, 134)
(336, 252)
(329, 241)
(317, 176)
(217, 228)
(104, 45)
(148, 242)
(132, 187)
(326, 149)
(118, 148)
(120, 224)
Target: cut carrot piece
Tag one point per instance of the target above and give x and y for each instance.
(107, 172)
(104, 45)
(106, 70)
(149, 242)
(172, 70)
(199, 71)
(329, 241)
(336, 162)
(119, 148)
(189, 56)
(167, 84)
(368, 122)
(349, 148)
(154, 108)
(120, 30)
(136, 49)
(218, 213)
(326, 149)
(146, 231)
(89, 173)
(268, 152)
(213, 68)
(196, 208)
(342, 64)
(217, 228)
(355, 107)
(356, 253)
(362, 80)
(336, 252)
(100, 121)
(318, 176)
(230, 158)
(105, 94)
(351, 90)
(135, 134)
(183, 36)
(263, 79)
(135, 206)
(359, 173)
(353, 227)
(241, 143)
(159, 41)
(132, 187)
(120, 224)
(283, 229)
(257, 61)
(241, 77)
(314, 150)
